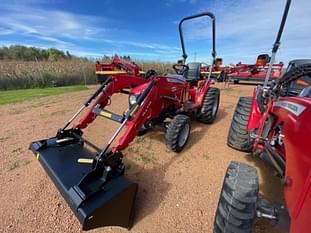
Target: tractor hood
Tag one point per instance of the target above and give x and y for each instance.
(139, 89)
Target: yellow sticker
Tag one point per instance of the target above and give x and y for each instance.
(38, 155)
(134, 110)
(85, 160)
(105, 114)
(111, 72)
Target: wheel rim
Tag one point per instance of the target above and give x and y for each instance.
(184, 134)
(215, 107)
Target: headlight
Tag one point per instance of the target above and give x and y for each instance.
(132, 99)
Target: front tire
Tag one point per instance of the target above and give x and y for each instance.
(178, 132)
(207, 114)
(237, 203)
(238, 137)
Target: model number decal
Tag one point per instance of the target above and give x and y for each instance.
(294, 108)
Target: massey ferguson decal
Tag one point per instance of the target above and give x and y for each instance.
(292, 107)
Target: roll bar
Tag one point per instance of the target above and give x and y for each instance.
(209, 14)
(277, 42)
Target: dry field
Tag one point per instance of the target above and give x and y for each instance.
(28, 74)
(177, 192)
(31, 74)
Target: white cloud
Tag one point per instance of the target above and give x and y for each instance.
(35, 21)
(66, 31)
(173, 2)
(246, 28)
(4, 31)
(144, 45)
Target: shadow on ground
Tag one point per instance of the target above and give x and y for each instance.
(198, 130)
(152, 187)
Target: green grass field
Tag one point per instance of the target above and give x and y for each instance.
(14, 96)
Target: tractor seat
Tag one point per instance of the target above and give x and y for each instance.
(193, 74)
(296, 87)
(306, 92)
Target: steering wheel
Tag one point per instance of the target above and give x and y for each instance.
(150, 74)
(180, 68)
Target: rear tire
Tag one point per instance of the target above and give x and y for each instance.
(238, 137)
(236, 209)
(178, 132)
(208, 112)
(236, 81)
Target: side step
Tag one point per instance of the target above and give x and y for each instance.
(111, 205)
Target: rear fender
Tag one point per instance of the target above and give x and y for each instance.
(256, 115)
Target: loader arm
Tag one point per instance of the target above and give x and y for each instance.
(142, 115)
(130, 67)
(116, 85)
(118, 65)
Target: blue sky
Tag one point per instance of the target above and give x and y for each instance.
(147, 29)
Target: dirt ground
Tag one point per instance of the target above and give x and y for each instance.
(177, 192)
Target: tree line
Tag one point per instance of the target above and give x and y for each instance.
(20, 52)
(24, 53)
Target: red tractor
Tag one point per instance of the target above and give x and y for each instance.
(274, 124)
(203, 69)
(117, 66)
(93, 184)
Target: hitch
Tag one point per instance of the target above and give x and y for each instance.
(275, 212)
(267, 210)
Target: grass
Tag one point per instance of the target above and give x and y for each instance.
(59, 113)
(18, 164)
(140, 139)
(206, 156)
(14, 96)
(17, 151)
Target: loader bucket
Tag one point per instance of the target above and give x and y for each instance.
(111, 205)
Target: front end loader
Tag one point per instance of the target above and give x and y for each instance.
(91, 178)
(91, 182)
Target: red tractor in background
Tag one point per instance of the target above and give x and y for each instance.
(117, 66)
(93, 183)
(274, 124)
(256, 72)
(218, 70)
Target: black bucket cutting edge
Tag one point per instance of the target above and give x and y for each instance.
(110, 206)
